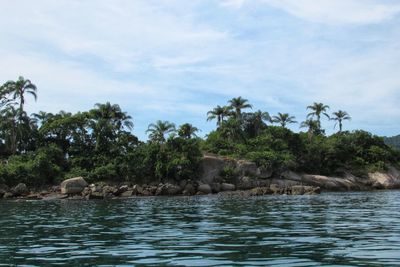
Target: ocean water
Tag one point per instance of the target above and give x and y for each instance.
(340, 229)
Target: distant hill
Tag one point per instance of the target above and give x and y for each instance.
(393, 141)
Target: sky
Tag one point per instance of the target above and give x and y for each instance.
(176, 59)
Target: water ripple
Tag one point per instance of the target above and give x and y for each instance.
(341, 229)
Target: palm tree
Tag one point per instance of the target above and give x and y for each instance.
(158, 130)
(255, 122)
(187, 131)
(15, 126)
(113, 115)
(238, 104)
(42, 117)
(312, 126)
(339, 117)
(318, 109)
(219, 113)
(19, 88)
(283, 119)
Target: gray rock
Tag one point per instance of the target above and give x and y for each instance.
(298, 190)
(246, 183)
(215, 187)
(227, 187)
(121, 190)
(8, 195)
(276, 189)
(96, 195)
(189, 190)
(211, 167)
(260, 191)
(137, 190)
(20, 190)
(73, 186)
(247, 168)
(204, 188)
(128, 193)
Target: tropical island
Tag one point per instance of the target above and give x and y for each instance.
(249, 150)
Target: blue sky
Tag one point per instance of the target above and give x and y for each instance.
(175, 60)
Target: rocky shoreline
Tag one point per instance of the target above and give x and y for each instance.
(244, 178)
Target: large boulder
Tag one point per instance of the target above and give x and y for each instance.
(189, 190)
(211, 167)
(169, 189)
(227, 187)
(247, 168)
(331, 183)
(73, 186)
(389, 180)
(20, 190)
(204, 189)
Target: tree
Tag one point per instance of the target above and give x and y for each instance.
(19, 88)
(238, 104)
(255, 122)
(219, 113)
(187, 131)
(107, 121)
(283, 119)
(312, 126)
(158, 130)
(318, 109)
(339, 117)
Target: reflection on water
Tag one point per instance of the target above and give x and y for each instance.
(359, 229)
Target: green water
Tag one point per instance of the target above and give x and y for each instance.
(346, 229)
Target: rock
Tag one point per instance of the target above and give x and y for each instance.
(264, 173)
(247, 168)
(215, 187)
(121, 190)
(183, 183)
(96, 195)
(246, 183)
(297, 190)
(204, 188)
(137, 190)
(96, 188)
(276, 189)
(20, 190)
(227, 187)
(2, 192)
(389, 180)
(289, 175)
(76, 197)
(260, 191)
(171, 190)
(109, 191)
(331, 183)
(284, 183)
(73, 186)
(128, 193)
(34, 197)
(189, 190)
(211, 167)
(146, 192)
(312, 190)
(152, 189)
(8, 195)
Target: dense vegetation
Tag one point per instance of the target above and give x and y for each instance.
(393, 141)
(45, 148)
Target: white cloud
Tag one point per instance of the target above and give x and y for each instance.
(338, 11)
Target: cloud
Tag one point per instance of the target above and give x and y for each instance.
(332, 12)
(174, 59)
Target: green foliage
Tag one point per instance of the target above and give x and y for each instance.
(393, 141)
(228, 174)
